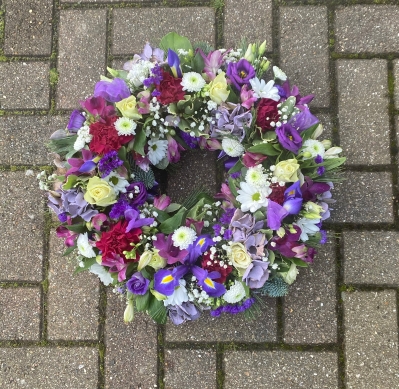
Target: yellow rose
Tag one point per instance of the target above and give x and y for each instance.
(152, 259)
(128, 108)
(218, 88)
(239, 256)
(99, 192)
(287, 171)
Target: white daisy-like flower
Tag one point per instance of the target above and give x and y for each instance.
(118, 183)
(314, 147)
(192, 82)
(278, 73)
(235, 294)
(183, 237)
(232, 147)
(308, 227)
(256, 178)
(125, 126)
(263, 90)
(157, 150)
(252, 198)
(179, 295)
(84, 246)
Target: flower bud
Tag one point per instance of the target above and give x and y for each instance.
(129, 311)
(281, 232)
(307, 154)
(265, 65)
(319, 130)
(262, 48)
(249, 56)
(326, 143)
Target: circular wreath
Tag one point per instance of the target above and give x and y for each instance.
(215, 253)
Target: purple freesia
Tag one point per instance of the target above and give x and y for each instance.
(289, 138)
(151, 54)
(240, 73)
(275, 215)
(167, 250)
(304, 253)
(256, 274)
(133, 217)
(293, 199)
(303, 120)
(76, 121)
(187, 311)
(174, 63)
(112, 91)
(138, 284)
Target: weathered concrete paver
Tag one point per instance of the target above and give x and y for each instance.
(371, 339)
(307, 47)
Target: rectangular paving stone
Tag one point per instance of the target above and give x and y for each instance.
(363, 111)
(228, 328)
(367, 28)
(23, 140)
(48, 367)
(28, 26)
(250, 19)
(371, 257)
(304, 50)
(363, 198)
(24, 85)
(19, 314)
(81, 58)
(371, 339)
(194, 369)
(310, 307)
(72, 299)
(131, 349)
(196, 23)
(21, 232)
(281, 370)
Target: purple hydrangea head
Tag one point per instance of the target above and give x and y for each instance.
(137, 284)
(76, 121)
(256, 274)
(240, 73)
(187, 311)
(151, 54)
(289, 138)
(112, 91)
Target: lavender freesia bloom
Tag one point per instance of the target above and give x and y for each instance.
(76, 121)
(174, 63)
(303, 120)
(133, 217)
(293, 199)
(289, 138)
(112, 91)
(256, 274)
(138, 284)
(275, 215)
(240, 73)
(187, 311)
(151, 54)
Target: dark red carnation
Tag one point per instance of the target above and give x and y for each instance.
(277, 194)
(170, 88)
(105, 137)
(117, 240)
(215, 266)
(267, 112)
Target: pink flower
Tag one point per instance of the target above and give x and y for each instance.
(212, 62)
(144, 102)
(174, 149)
(226, 194)
(252, 159)
(98, 220)
(161, 202)
(116, 264)
(247, 97)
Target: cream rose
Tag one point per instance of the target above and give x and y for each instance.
(239, 256)
(99, 192)
(128, 108)
(152, 259)
(287, 171)
(218, 88)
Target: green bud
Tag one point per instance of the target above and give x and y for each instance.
(262, 48)
(307, 154)
(326, 143)
(172, 132)
(129, 311)
(249, 55)
(265, 65)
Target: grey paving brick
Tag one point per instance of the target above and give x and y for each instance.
(371, 339)
(28, 27)
(228, 328)
(363, 110)
(310, 307)
(21, 231)
(81, 58)
(250, 19)
(197, 23)
(131, 357)
(325, 120)
(20, 314)
(370, 257)
(367, 28)
(24, 85)
(48, 367)
(363, 198)
(194, 369)
(23, 139)
(304, 50)
(72, 299)
(281, 370)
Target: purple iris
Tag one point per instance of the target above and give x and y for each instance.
(174, 63)
(289, 138)
(76, 121)
(256, 274)
(240, 73)
(112, 91)
(205, 280)
(165, 281)
(275, 215)
(137, 284)
(293, 199)
(303, 120)
(133, 217)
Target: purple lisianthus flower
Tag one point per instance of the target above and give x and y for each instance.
(240, 73)
(256, 274)
(76, 121)
(136, 194)
(285, 244)
(293, 199)
(110, 161)
(303, 120)
(112, 91)
(137, 284)
(187, 311)
(289, 138)
(275, 215)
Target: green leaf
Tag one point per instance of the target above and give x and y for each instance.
(264, 149)
(333, 163)
(173, 207)
(198, 63)
(174, 42)
(142, 302)
(171, 224)
(307, 134)
(87, 264)
(79, 228)
(193, 212)
(232, 187)
(139, 142)
(157, 310)
(236, 168)
(70, 183)
(69, 250)
(299, 262)
(118, 73)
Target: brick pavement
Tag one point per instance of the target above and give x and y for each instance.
(339, 326)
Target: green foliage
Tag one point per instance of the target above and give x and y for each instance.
(53, 77)
(204, 46)
(174, 42)
(275, 287)
(147, 178)
(63, 146)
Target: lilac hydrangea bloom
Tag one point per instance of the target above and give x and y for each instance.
(187, 311)
(256, 274)
(112, 91)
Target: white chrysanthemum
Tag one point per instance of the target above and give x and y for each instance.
(232, 147)
(157, 150)
(314, 147)
(263, 90)
(278, 73)
(308, 227)
(252, 198)
(102, 274)
(118, 183)
(84, 246)
(192, 82)
(235, 294)
(139, 72)
(256, 178)
(183, 237)
(125, 126)
(179, 296)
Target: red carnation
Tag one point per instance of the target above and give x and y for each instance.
(105, 137)
(277, 194)
(117, 240)
(170, 88)
(215, 266)
(267, 112)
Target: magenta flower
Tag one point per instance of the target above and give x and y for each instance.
(174, 149)
(247, 97)
(81, 165)
(304, 253)
(166, 249)
(98, 220)
(97, 106)
(69, 236)
(144, 99)
(213, 61)
(252, 159)
(162, 202)
(116, 264)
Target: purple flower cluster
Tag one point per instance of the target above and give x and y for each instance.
(233, 309)
(110, 161)
(227, 216)
(156, 79)
(191, 142)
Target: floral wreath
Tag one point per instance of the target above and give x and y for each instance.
(215, 253)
